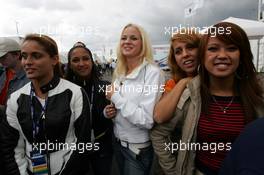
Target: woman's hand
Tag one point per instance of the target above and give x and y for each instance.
(110, 111)
(185, 81)
(110, 89)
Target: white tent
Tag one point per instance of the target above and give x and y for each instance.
(254, 29)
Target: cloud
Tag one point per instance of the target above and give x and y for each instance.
(61, 5)
(99, 22)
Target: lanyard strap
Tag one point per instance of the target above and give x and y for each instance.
(36, 123)
(91, 105)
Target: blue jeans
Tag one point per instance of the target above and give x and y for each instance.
(131, 164)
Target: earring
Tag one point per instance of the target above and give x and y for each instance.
(198, 68)
(240, 77)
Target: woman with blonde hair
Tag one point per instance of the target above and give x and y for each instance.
(137, 86)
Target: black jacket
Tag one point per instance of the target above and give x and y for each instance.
(66, 122)
(103, 127)
(247, 154)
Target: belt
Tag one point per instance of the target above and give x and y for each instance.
(134, 147)
(30, 173)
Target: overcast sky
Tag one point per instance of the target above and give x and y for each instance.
(99, 22)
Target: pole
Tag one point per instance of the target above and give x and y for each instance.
(17, 28)
(260, 17)
(257, 66)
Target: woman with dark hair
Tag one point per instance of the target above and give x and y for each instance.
(73, 74)
(82, 71)
(216, 105)
(47, 129)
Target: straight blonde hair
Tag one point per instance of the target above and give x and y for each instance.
(145, 54)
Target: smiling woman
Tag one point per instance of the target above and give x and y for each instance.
(215, 107)
(82, 71)
(134, 117)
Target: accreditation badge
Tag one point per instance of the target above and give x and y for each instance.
(39, 163)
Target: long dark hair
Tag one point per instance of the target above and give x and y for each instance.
(245, 84)
(71, 76)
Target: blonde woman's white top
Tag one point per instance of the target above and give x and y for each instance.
(134, 98)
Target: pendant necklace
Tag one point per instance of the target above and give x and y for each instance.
(225, 108)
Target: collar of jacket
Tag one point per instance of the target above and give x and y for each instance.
(194, 87)
(136, 71)
(50, 85)
(192, 91)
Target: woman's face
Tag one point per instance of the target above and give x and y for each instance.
(36, 61)
(81, 62)
(131, 43)
(186, 56)
(221, 59)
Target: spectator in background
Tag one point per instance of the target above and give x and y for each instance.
(82, 71)
(13, 76)
(79, 43)
(113, 66)
(135, 69)
(1, 69)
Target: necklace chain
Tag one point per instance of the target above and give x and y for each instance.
(225, 108)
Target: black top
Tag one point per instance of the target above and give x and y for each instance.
(247, 154)
(66, 121)
(103, 127)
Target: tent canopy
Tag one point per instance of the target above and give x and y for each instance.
(254, 29)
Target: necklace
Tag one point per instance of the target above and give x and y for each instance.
(225, 108)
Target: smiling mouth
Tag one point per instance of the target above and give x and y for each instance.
(188, 62)
(128, 48)
(226, 64)
(82, 70)
(222, 66)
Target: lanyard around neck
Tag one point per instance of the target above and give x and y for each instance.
(92, 98)
(91, 106)
(36, 121)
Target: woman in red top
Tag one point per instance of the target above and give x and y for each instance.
(215, 107)
(183, 63)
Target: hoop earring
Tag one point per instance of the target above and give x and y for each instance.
(198, 68)
(240, 77)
